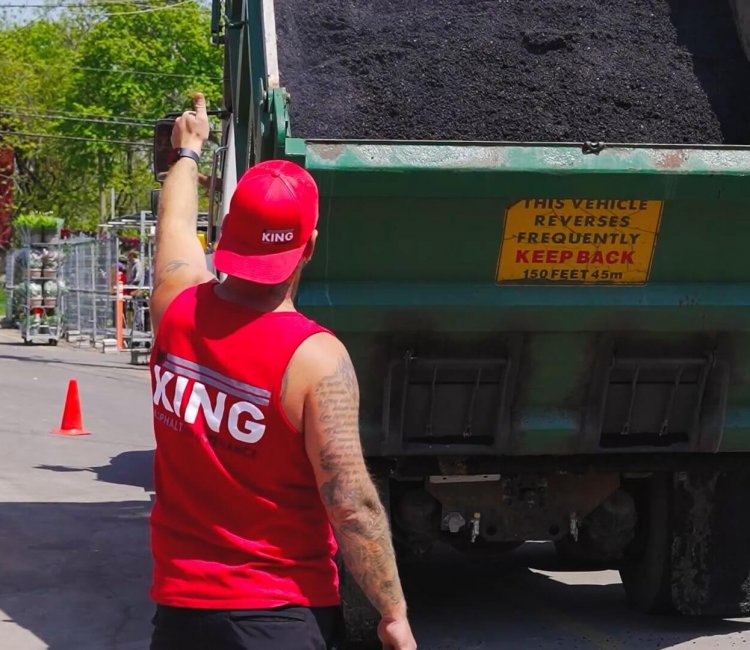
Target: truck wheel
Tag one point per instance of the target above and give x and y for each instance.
(711, 547)
(692, 551)
(646, 571)
(361, 619)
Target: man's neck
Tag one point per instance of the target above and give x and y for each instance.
(257, 296)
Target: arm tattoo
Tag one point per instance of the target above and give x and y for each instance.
(349, 494)
(174, 265)
(284, 384)
(169, 267)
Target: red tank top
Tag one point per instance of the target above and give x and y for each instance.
(238, 522)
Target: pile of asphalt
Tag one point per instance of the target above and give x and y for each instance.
(667, 71)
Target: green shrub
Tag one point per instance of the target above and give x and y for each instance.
(35, 220)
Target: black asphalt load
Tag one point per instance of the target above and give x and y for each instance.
(515, 70)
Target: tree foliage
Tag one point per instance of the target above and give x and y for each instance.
(101, 74)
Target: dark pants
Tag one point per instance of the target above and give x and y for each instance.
(284, 628)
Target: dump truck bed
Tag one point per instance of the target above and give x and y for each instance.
(523, 299)
(552, 340)
(468, 340)
(519, 70)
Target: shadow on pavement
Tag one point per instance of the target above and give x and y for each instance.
(75, 575)
(459, 603)
(128, 468)
(67, 362)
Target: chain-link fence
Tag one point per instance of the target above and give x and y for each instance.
(89, 275)
(135, 236)
(91, 272)
(90, 269)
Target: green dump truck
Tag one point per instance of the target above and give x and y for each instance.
(552, 339)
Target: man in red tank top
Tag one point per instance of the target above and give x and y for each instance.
(260, 477)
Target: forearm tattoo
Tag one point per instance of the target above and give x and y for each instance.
(349, 494)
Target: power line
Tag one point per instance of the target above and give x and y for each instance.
(113, 122)
(63, 5)
(55, 113)
(55, 7)
(139, 72)
(99, 4)
(135, 121)
(24, 134)
(117, 14)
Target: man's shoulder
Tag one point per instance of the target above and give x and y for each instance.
(320, 347)
(318, 356)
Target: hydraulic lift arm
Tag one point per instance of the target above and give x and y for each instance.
(252, 95)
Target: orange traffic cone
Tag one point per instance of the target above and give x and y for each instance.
(72, 422)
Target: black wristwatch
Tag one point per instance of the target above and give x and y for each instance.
(184, 152)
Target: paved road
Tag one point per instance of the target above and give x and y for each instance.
(74, 563)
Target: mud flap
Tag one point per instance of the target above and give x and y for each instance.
(711, 544)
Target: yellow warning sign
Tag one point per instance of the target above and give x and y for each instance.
(579, 241)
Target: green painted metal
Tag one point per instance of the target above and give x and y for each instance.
(279, 112)
(239, 99)
(409, 240)
(371, 306)
(406, 259)
(242, 35)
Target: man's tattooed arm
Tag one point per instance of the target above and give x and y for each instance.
(169, 268)
(347, 491)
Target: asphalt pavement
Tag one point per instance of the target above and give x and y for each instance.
(74, 556)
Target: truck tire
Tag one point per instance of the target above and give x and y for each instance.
(711, 545)
(692, 553)
(646, 571)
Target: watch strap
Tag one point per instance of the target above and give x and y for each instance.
(184, 152)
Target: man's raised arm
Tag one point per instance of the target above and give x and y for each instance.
(180, 261)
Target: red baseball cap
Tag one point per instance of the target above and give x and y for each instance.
(272, 216)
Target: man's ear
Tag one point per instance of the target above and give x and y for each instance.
(310, 248)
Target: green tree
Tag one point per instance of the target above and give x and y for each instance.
(154, 61)
(109, 71)
(34, 80)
